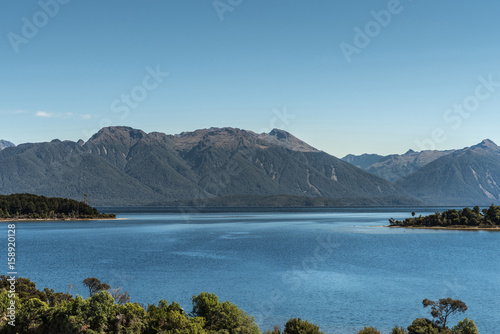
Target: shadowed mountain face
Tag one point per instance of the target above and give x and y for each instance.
(396, 166)
(362, 161)
(125, 166)
(470, 176)
(5, 144)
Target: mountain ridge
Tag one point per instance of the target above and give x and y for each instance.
(5, 144)
(470, 175)
(126, 166)
(395, 166)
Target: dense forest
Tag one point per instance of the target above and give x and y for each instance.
(283, 201)
(466, 217)
(29, 206)
(108, 310)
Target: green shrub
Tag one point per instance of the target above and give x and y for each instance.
(369, 330)
(399, 330)
(297, 326)
(465, 326)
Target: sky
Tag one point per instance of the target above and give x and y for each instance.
(345, 76)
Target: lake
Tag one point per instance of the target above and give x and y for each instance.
(337, 268)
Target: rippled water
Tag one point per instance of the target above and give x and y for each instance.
(337, 268)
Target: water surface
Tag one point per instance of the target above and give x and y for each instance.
(337, 268)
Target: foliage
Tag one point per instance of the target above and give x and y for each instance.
(443, 308)
(466, 217)
(423, 326)
(222, 316)
(276, 330)
(94, 285)
(120, 297)
(465, 326)
(166, 318)
(399, 330)
(28, 206)
(46, 311)
(297, 326)
(369, 330)
(26, 289)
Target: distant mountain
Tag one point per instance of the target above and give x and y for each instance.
(125, 166)
(470, 176)
(5, 144)
(396, 166)
(362, 161)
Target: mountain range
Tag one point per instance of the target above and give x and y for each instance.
(216, 166)
(395, 166)
(233, 167)
(468, 176)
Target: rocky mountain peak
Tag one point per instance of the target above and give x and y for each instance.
(5, 144)
(280, 134)
(123, 134)
(485, 146)
(282, 138)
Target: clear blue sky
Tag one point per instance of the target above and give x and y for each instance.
(265, 58)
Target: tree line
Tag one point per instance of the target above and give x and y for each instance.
(29, 206)
(466, 217)
(108, 310)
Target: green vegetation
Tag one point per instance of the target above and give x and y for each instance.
(369, 330)
(441, 310)
(126, 167)
(46, 311)
(466, 218)
(284, 201)
(28, 206)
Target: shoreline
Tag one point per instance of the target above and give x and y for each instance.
(52, 219)
(491, 229)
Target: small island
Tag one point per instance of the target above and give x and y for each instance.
(464, 219)
(18, 207)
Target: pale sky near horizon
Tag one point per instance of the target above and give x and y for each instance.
(346, 77)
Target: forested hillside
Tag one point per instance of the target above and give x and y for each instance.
(29, 206)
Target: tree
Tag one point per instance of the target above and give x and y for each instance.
(120, 297)
(32, 315)
(223, 316)
(369, 330)
(399, 330)
(100, 310)
(130, 319)
(166, 318)
(297, 326)
(423, 326)
(465, 326)
(276, 330)
(443, 308)
(94, 285)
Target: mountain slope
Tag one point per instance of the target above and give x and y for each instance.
(63, 169)
(125, 166)
(395, 166)
(362, 161)
(5, 144)
(470, 176)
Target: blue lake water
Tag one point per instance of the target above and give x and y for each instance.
(337, 268)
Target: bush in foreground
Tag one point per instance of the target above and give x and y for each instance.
(46, 311)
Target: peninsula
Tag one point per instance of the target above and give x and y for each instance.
(18, 207)
(464, 219)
